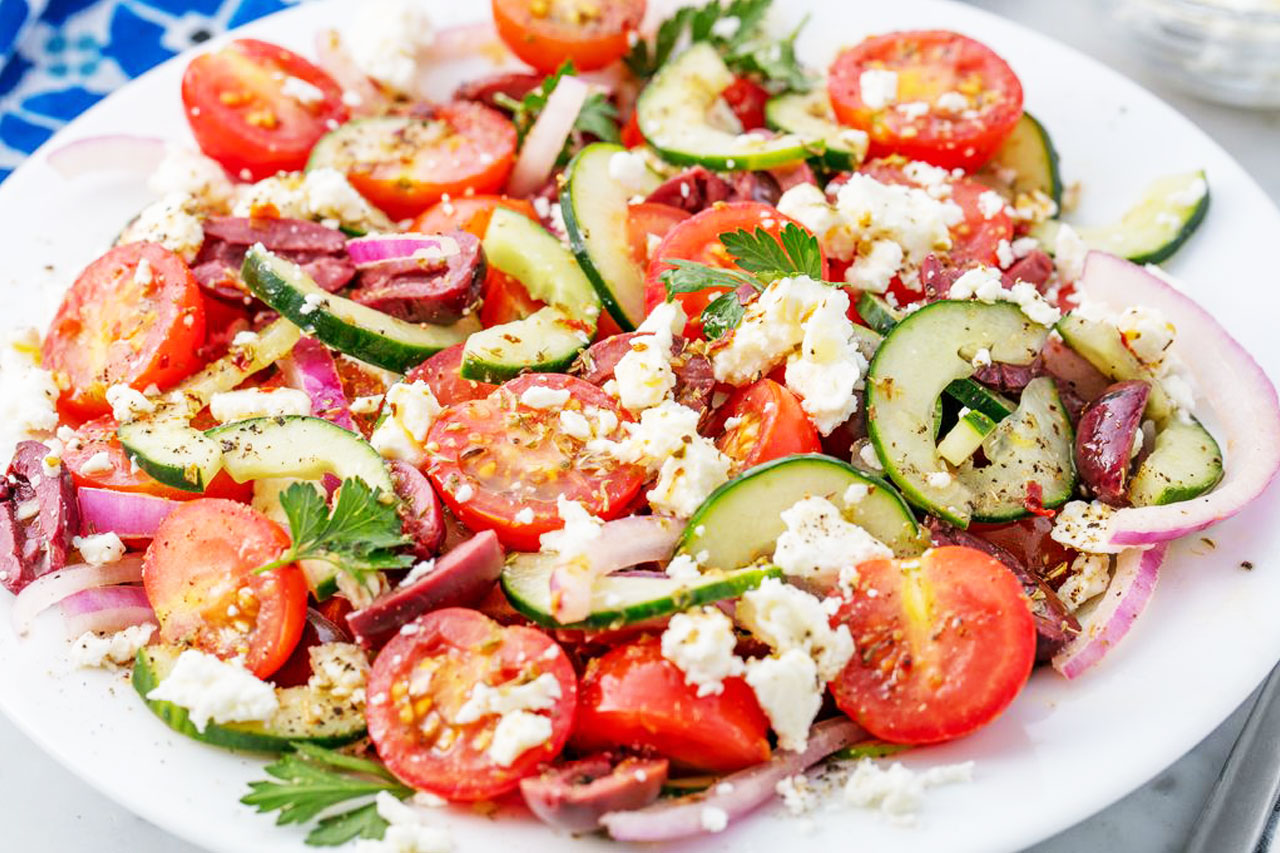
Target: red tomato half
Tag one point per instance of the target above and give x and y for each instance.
(441, 373)
(747, 100)
(125, 321)
(764, 421)
(650, 219)
(464, 146)
(944, 645)
(469, 213)
(246, 114)
(544, 33)
(930, 64)
(698, 239)
(634, 697)
(518, 461)
(505, 299)
(421, 681)
(199, 576)
(99, 436)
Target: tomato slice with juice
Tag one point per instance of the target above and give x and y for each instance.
(544, 33)
(764, 421)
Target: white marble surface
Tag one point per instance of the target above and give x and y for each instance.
(48, 809)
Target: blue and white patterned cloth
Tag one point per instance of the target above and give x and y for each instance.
(58, 57)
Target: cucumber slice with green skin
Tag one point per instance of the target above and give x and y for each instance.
(171, 451)
(1029, 156)
(964, 439)
(305, 715)
(673, 110)
(1185, 463)
(1033, 445)
(882, 317)
(1166, 215)
(358, 330)
(1100, 345)
(546, 341)
(298, 446)
(274, 341)
(924, 353)
(739, 523)
(809, 116)
(618, 601)
(595, 218)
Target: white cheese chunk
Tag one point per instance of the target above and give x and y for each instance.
(407, 830)
(128, 404)
(701, 644)
(789, 693)
(100, 548)
(339, 669)
(878, 88)
(388, 42)
(542, 397)
(1090, 576)
(118, 649)
(28, 393)
(229, 406)
(788, 618)
(516, 734)
(1083, 526)
(215, 691)
(897, 792)
(187, 172)
(819, 545)
(413, 409)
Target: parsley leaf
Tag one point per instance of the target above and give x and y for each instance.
(690, 276)
(794, 252)
(357, 536)
(598, 117)
(722, 314)
(312, 779)
(525, 111)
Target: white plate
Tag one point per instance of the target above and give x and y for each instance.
(1062, 751)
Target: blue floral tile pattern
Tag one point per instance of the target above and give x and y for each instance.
(59, 57)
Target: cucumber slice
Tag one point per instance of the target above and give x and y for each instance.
(168, 449)
(877, 313)
(273, 343)
(617, 601)
(964, 439)
(304, 714)
(298, 446)
(1033, 445)
(347, 326)
(739, 522)
(1025, 163)
(673, 110)
(924, 353)
(1168, 212)
(1185, 463)
(547, 341)
(809, 116)
(1100, 345)
(595, 217)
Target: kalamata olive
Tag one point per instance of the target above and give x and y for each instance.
(425, 290)
(574, 796)
(1105, 438)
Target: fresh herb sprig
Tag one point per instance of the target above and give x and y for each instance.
(312, 779)
(761, 257)
(358, 536)
(598, 116)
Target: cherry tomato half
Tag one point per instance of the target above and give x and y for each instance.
(746, 99)
(544, 33)
(135, 317)
(650, 220)
(945, 644)
(632, 696)
(764, 421)
(469, 213)
(441, 373)
(968, 98)
(199, 574)
(247, 114)
(421, 682)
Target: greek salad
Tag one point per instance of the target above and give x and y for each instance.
(626, 436)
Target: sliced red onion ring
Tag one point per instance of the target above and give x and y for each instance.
(129, 515)
(1127, 595)
(118, 152)
(386, 247)
(1245, 406)
(736, 795)
(361, 96)
(106, 610)
(546, 138)
(46, 591)
(622, 543)
(310, 367)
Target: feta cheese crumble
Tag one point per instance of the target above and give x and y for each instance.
(987, 285)
(1090, 576)
(897, 792)
(407, 831)
(524, 516)
(173, 222)
(228, 406)
(644, 376)
(542, 397)
(878, 88)
(100, 548)
(28, 393)
(787, 688)
(630, 171)
(119, 649)
(127, 403)
(213, 690)
(389, 41)
(581, 531)
(187, 172)
(701, 644)
(1085, 527)
(413, 409)
(713, 819)
(819, 545)
(339, 669)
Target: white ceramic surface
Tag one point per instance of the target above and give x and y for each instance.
(1063, 751)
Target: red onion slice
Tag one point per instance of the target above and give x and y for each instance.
(1127, 595)
(387, 247)
(1245, 406)
(736, 795)
(106, 610)
(310, 367)
(546, 138)
(129, 515)
(46, 591)
(622, 543)
(117, 152)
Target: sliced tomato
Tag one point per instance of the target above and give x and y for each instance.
(441, 373)
(649, 220)
(128, 322)
(633, 697)
(698, 239)
(115, 471)
(464, 147)
(247, 114)
(764, 421)
(469, 213)
(519, 462)
(592, 33)
(199, 574)
(631, 135)
(505, 299)
(929, 64)
(747, 100)
(944, 645)
(421, 681)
